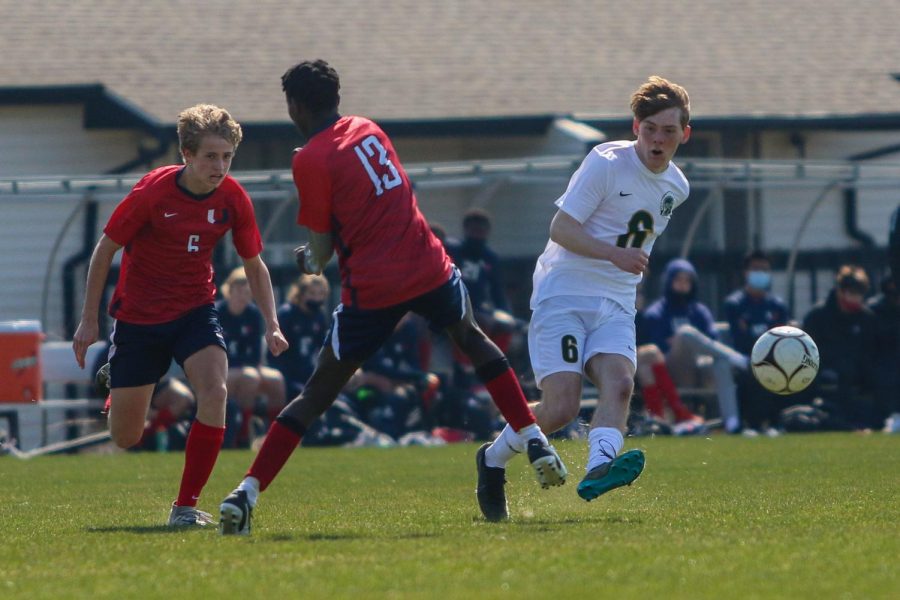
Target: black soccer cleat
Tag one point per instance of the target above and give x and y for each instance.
(490, 491)
(549, 469)
(101, 380)
(235, 514)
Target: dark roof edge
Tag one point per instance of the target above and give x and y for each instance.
(103, 108)
(860, 121)
(454, 126)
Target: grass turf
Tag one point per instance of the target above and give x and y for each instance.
(802, 516)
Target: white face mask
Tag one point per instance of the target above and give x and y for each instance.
(759, 280)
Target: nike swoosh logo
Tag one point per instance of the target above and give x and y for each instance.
(167, 215)
(623, 194)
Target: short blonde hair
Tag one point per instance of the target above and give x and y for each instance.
(206, 119)
(237, 277)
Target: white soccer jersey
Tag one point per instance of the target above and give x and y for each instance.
(619, 201)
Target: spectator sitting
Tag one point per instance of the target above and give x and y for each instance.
(248, 379)
(886, 307)
(844, 329)
(751, 311)
(172, 408)
(480, 268)
(683, 329)
(304, 323)
(655, 382)
(393, 391)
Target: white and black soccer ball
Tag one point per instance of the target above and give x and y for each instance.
(785, 360)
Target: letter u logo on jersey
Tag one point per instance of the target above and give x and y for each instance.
(218, 220)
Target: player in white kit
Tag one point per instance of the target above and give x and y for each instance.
(617, 203)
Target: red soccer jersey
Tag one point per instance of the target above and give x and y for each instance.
(169, 235)
(352, 185)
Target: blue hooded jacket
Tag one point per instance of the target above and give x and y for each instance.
(670, 312)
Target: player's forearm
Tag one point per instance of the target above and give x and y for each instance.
(261, 287)
(98, 271)
(570, 234)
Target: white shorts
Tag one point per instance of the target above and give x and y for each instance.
(567, 331)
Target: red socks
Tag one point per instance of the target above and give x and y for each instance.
(275, 452)
(667, 387)
(200, 456)
(508, 396)
(653, 401)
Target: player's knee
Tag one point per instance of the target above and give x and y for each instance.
(124, 438)
(621, 386)
(213, 392)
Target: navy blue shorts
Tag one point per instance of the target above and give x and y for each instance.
(141, 354)
(356, 334)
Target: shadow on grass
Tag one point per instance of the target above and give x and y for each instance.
(547, 524)
(143, 529)
(350, 535)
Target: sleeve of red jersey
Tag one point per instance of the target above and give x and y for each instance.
(245, 233)
(129, 216)
(314, 188)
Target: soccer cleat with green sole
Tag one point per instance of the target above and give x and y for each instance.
(622, 470)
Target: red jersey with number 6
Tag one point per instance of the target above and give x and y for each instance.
(169, 235)
(352, 185)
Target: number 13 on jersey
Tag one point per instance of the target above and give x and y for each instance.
(367, 151)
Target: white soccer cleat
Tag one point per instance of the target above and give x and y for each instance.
(235, 514)
(547, 465)
(189, 516)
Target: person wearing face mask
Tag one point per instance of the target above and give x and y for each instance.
(480, 268)
(248, 379)
(846, 332)
(304, 322)
(683, 329)
(751, 311)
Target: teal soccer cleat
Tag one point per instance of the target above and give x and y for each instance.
(622, 470)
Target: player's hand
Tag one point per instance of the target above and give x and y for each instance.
(631, 260)
(85, 335)
(300, 254)
(276, 342)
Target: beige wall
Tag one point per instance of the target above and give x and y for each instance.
(50, 139)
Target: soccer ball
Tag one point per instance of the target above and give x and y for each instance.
(785, 360)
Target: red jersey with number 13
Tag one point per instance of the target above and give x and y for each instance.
(169, 236)
(352, 185)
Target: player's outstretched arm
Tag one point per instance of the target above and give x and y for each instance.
(566, 231)
(88, 328)
(261, 286)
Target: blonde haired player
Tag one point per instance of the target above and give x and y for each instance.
(163, 302)
(616, 205)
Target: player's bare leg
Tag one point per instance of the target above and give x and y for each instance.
(127, 413)
(606, 468)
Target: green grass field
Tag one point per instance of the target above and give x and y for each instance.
(802, 516)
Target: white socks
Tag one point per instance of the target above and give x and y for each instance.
(251, 486)
(604, 444)
(509, 443)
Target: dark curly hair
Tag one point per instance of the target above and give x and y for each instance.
(313, 83)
